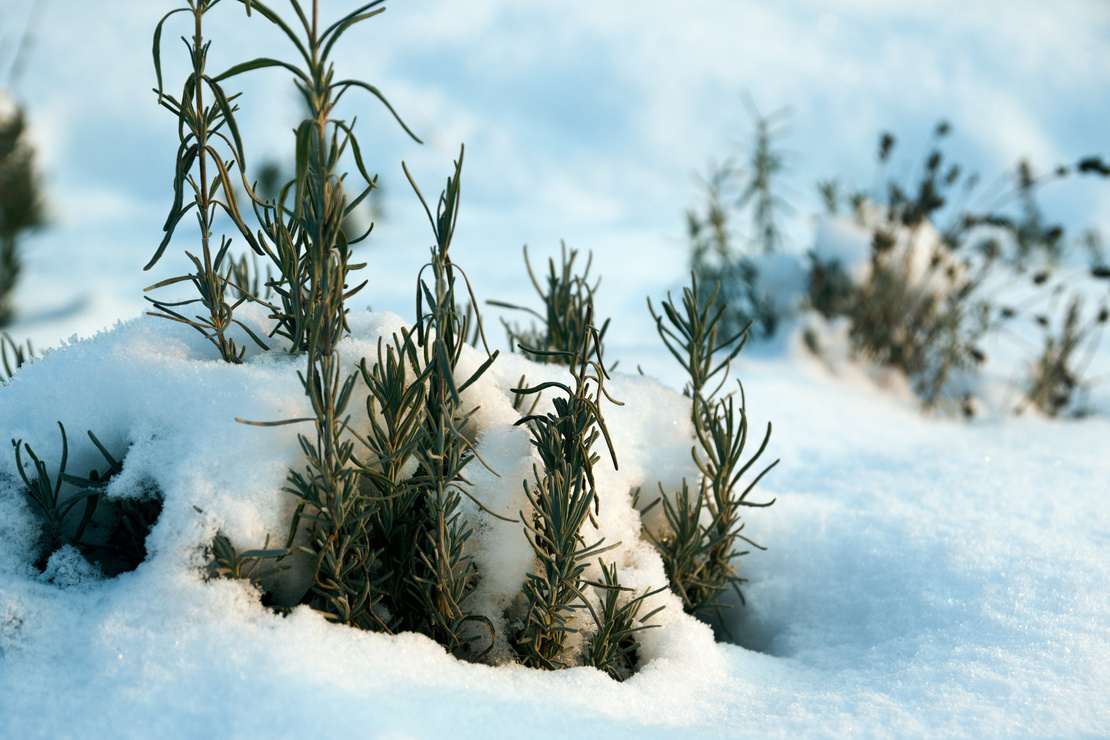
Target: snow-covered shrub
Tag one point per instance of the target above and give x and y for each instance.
(1058, 382)
(107, 534)
(913, 294)
(909, 297)
(910, 306)
(421, 498)
(562, 495)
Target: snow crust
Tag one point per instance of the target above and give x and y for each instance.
(922, 576)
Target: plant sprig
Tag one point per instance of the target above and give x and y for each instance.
(567, 302)
(699, 544)
(561, 497)
(209, 152)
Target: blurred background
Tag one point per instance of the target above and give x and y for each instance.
(582, 121)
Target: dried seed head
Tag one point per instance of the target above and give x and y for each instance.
(886, 144)
(1093, 165)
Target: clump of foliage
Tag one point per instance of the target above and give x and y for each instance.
(613, 647)
(209, 154)
(359, 519)
(922, 307)
(562, 496)
(565, 321)
(381, 531)
(387, 546)
(699, 544)
(110, 533)
(442, 576)
(918, 309)
(749, 195)
(1057, 383)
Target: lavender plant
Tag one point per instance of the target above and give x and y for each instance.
(305, 238)
(118, 544)
(311, 252)
(699, 544)
(751, 195)
(1057, 383)
(444, 575)
(613, 647)
(567, 300)
(210, 151)
(379, 513)
(923, 308)
(561, 497)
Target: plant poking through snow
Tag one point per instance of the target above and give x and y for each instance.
(306, 240)
(729, 192)
(921, 308)
(562, 496)
(565, 321)
(314, 262)
(117, 546)
(210, 151)
(612, 648)
(1056, 379)
(394, 501)
(703, 529)
(388, 541)
(692, 338)
(443, 575)
(312, 254)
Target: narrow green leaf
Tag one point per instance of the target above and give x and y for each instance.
(157, 48)
(274, 18)
(335, 30)
(168, 236)
(229, 116)
(345, 84)
(303, 151)
(261, 63)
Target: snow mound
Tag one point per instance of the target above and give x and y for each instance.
(922, 577)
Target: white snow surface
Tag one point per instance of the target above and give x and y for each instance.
(923, 576)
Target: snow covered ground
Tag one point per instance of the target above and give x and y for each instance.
(923, 576)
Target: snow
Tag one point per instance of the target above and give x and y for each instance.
(923, 576)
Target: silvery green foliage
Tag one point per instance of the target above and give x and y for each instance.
(703, 531)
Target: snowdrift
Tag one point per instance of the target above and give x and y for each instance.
(922, 576)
